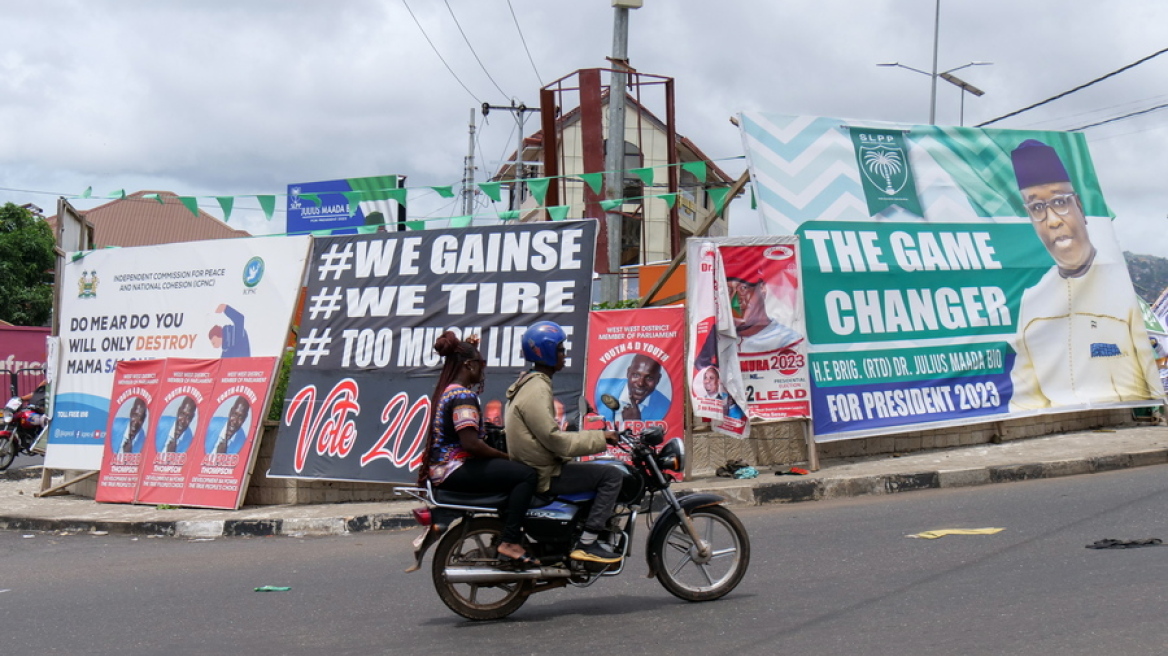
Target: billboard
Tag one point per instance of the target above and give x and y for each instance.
(208, 299)
(364, 367)
(343, 206)
(951, 274)
(748, 347)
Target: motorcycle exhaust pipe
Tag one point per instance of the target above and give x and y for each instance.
(485, 575)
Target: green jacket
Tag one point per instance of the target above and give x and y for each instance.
(533, 437)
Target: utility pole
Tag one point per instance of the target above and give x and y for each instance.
(614, 156)
(468, 172)
(933, 96)
(520, 111)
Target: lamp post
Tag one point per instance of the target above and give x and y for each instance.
(950, 78)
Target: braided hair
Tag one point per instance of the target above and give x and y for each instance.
(455, 352)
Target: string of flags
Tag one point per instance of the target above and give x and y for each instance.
(537, 187)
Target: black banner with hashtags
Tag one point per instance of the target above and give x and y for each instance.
(364, 367)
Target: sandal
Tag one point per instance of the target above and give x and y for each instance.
(519, 562)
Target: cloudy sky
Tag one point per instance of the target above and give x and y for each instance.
(218, 97)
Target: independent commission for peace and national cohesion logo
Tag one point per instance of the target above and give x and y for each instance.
(885, 173)
(253, 271)
(87, 285)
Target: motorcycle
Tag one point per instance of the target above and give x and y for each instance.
(20, 429)
(696, 548)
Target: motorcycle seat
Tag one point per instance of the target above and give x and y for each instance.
(469, 498)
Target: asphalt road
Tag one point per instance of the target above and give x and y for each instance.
(834, 577)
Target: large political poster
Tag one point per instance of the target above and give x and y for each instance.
(211, 299)
(748, 352)
(636, 371)
(181, 414)
(364, 367)
(131, 425)
(951, 275)
(222, 452)
(183, 431)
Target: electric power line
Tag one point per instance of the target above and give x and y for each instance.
(472, 50)
(1119, 118)
(1078, 88)
(524, 41)
(435, 49)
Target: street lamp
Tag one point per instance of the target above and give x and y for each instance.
(951, 79)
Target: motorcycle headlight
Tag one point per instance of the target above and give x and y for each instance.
(672, 456)
(7, 415)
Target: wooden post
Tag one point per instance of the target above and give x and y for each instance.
(735, 189)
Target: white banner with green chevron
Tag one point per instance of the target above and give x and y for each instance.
(950, 275)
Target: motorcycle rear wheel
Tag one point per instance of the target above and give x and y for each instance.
(475, 547)
(8, 449)
(684, 573)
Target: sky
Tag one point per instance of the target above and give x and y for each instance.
(215, 97)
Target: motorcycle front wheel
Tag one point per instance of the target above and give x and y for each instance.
(475, 547)
(8, 450)
(688, 575)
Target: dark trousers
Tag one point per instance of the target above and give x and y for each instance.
(495, 475)
(585, 477)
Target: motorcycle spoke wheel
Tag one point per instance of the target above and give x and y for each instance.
(685, 573)
(8, 450)
(475, 547)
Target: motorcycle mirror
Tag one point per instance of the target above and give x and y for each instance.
(610, 402)
(653, 436)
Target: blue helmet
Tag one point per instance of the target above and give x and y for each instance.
(540, 342)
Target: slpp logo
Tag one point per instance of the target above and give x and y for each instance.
(885, 173)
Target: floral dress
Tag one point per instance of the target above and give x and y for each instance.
(458, 408)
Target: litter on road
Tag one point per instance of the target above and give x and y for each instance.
(940, 533)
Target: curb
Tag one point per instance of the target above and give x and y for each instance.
(750, 492)
(820, 488)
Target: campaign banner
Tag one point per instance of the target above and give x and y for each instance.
(343, 206)
(748, 348)
(217, 471)
(358, 399)
(636, 364)
(135, 389)
(999, 291)
(716, 391)
(210, 299)
(185, 393)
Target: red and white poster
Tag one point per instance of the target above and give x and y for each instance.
(221, 454)
(635, 369)
(748, 345)
(185, 391)
(135, 388)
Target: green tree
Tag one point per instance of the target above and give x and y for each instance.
(26, 264)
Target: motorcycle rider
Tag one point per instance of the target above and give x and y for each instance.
(459, 459)
(534, 438)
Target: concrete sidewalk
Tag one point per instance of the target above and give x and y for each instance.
(1042, 457)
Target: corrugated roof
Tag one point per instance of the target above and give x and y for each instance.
(139, 221)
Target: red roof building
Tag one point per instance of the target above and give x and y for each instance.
(140, 221)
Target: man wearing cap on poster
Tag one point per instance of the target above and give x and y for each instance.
(758, 332)
(1080, 333)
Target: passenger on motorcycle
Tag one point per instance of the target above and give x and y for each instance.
(456, 457)
(534, 438)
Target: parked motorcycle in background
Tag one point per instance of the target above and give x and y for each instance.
(20, 429)
(696, 548)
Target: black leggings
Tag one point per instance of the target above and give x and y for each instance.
(495, 475)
